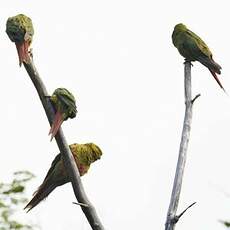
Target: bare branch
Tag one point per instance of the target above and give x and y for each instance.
(81, 204)
(69, 162)
(171, 215)
(180, 215)
(193, 100)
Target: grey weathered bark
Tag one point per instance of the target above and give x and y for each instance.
(172, 218)
(69, 162)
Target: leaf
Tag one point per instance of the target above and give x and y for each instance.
(14, 200)
(23, 176)
(227, 224)
(5, 215)
(2, 205)
(16, 225)
(16, 189)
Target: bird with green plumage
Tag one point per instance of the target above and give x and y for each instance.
(84, 155)
(64, 104)
(20, 31)
(193, 48)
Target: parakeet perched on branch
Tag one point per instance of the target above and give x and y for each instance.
(65, 106)
(84, 155)
(20, 31)
(193, 48)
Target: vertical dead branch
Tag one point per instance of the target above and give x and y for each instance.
(69, 162)
(172, 218)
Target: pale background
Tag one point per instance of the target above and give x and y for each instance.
(118, 59)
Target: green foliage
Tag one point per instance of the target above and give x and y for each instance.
(225, 223)
(12, 197)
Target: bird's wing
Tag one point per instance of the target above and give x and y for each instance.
(67, 100)
(200, 51)
(54, 162)
(199, 44)
(69, 103)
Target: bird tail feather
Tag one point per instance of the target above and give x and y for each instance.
(217, 79)
(43, 191)
(56, 124)
(210, 64)
(23, 51)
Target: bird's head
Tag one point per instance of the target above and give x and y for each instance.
(96, 152)
(86, 153)
(180, 27)
(19, 28)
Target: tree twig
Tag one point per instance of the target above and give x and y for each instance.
(81, 204)
(182, 213)
(193, 100)
(69, 162)
(171, 215)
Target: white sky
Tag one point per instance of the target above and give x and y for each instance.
(118, 59)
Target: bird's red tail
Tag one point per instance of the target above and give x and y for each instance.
(23, 51)
(217, 79)
(56, 124)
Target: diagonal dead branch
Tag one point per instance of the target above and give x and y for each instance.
(69, 162)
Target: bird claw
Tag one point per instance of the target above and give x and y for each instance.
(187, 61)
(30, 52)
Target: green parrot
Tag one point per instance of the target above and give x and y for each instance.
(84, 155)
(65, 106)
(193, 48)
(20, 30)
